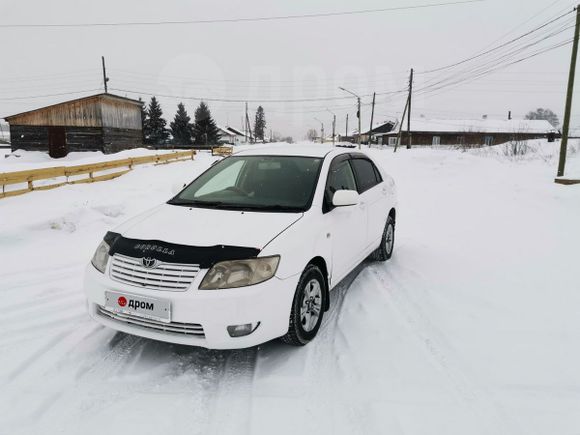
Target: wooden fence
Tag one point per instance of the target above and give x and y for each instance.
(222, 151)
(86, 172)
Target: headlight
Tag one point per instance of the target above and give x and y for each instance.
(101, 257)
(240, 273)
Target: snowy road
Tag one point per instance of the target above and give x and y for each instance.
(471, 328)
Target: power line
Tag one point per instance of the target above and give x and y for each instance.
(239, 20)
(493, 64)
(49, 95)
(498, 47)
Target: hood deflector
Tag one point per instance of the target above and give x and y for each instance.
(205, 256)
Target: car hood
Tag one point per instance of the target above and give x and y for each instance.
(207, 227)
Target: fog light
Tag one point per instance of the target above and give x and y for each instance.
(242, 330)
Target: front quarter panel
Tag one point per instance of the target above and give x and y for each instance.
(296, 246)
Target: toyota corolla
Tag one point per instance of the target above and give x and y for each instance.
(247, 252)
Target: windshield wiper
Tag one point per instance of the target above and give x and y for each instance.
(192, 202)
(275, 207)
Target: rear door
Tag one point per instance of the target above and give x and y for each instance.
(346, 225)
(373, 198)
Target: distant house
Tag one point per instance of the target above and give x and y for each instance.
(103, 122)
(226, 136)
(379, 130)
(239, 136)
(477, 132)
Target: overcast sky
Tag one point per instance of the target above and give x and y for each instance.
(288, 59)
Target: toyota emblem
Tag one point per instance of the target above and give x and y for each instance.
(149, 263)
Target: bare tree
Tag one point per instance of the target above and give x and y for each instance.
(546, 114)
(311, 134)
(517, 146)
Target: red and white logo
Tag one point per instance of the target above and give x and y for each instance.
(122, 301)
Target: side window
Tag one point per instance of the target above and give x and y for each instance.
(366, 174)
(340, 177)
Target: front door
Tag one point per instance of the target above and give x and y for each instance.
(347, 225)
(57, 146)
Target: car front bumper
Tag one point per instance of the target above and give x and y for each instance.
(268, 303)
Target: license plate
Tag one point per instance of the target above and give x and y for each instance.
(140, 306)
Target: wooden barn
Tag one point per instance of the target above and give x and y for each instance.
(103, 122)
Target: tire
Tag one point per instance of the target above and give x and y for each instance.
(303, 325)
(385, 250)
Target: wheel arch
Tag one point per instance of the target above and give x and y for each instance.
(320, 262)
(393, 214)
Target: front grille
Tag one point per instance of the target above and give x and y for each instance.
(165, 276)
(172, 327)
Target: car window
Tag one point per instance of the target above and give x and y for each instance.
(340, 177)
(269, 183)
(222, 180)
(365, 172)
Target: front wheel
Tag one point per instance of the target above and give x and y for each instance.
(307, 307)
(385, 250)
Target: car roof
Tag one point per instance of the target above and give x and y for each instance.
(312, 150)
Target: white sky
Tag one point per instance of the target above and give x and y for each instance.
(293, 59)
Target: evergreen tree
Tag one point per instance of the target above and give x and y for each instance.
(181, 127)
(205, 131)
(260, 124)
(155, 131)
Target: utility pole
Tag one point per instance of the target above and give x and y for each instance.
(333, 125)
(409, 111)
(333, 128)
(372, 117)
(105, 78)
(357, 112)
(401, 126)
(359, 127)
(246, 125)
(566, 126)
(346, 132)
(509, 115)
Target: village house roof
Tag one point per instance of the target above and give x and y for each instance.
(101, 96)
(533, 126)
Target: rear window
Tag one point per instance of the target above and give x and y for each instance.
(366, 174)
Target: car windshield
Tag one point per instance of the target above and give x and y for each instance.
(265, 183)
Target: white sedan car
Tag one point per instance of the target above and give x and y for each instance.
(246, 253)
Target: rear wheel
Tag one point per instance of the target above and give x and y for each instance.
(385, 249)
(307, 307)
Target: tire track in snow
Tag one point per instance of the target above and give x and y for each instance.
(480, 403)
(232, 402)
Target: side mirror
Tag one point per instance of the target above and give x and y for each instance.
(343, 198)
(177, 187)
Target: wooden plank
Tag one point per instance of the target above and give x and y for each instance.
(95, 167)
(14, 193)
(50, 186)
(7, 178)
(100, 177)
(567, 181)
(222, 151)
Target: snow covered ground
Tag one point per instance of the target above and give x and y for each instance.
(471, 328)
